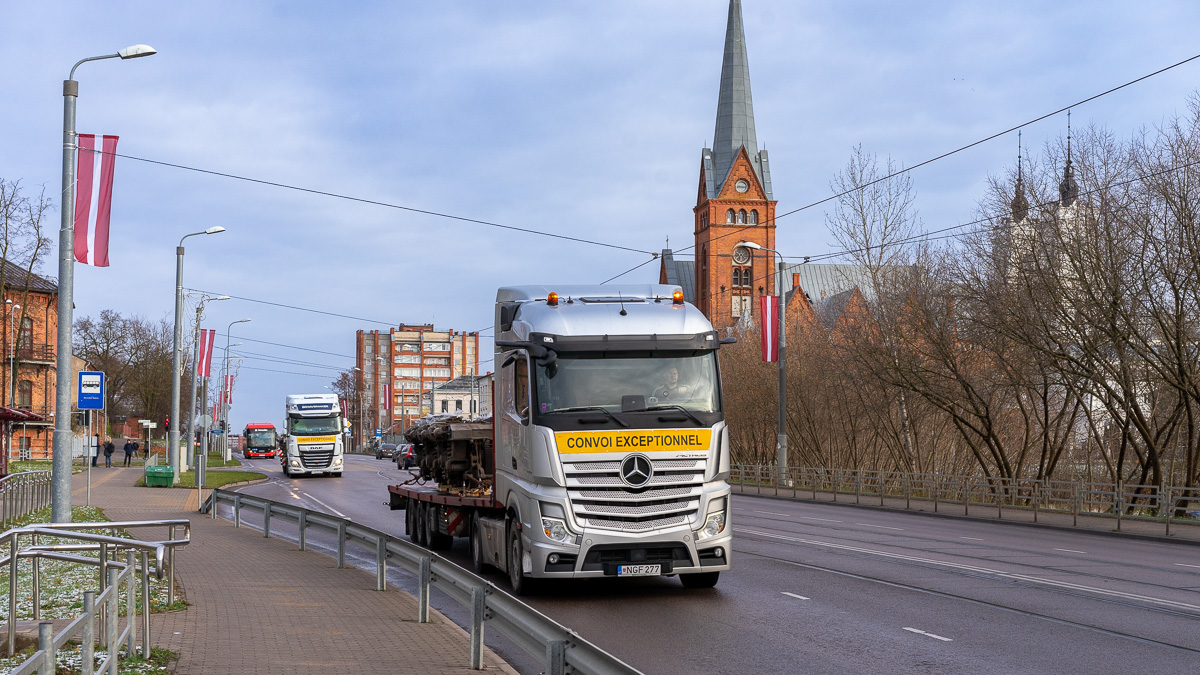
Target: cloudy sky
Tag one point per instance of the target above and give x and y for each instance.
(584, 119)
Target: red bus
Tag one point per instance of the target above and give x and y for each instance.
(260, 440)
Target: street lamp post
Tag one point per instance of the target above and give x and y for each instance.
(195, 381)
(176, 352)
(225, 388)
(60, 477)
(781, 433)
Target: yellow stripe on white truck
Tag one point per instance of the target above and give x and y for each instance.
(315, 439)
(640, 440)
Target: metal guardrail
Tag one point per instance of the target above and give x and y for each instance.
(113, 573)
(1119, 501)
(22, 493)
(564, 650)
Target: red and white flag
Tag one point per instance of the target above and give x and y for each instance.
(769, 306)
(387, 395)
(229, 389)
(93, 198)
(345, 410)
(204, 365)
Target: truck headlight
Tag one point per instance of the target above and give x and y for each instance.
(337, 461)
(295, 462)
(714, 524)
(556, 530)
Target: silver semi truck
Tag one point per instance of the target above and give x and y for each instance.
(607, 453)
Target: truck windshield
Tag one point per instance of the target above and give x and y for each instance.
(314, 425)
(260, 438)
(602, 380)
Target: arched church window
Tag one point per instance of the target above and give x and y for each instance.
(737, 277)
(754, 217)
(742, 216)
(729, 216)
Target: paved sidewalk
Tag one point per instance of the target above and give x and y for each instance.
(258, 605)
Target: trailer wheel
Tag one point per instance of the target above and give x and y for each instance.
(438, 541)
(478, 562)
(422, 525)
(410, 521)
(521, 584)
(701, 580)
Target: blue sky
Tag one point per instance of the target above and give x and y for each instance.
(583, 119)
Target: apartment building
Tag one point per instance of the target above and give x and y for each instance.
(398, 367)
(30, 347)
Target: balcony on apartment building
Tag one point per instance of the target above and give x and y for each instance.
(36, 353)
(43, 411)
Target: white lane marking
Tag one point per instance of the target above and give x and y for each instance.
(798, 597)
(982, 570)
(1187, 565)
(935, 637)
(827, 520)
(1068, 550)
(772, 513)
(882, 527)
(972, 538)
(339, 513)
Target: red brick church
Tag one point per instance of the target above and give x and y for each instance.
(735, 204)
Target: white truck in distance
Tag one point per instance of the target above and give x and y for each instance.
(312, 436)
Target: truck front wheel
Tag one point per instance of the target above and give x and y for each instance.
(521, 584)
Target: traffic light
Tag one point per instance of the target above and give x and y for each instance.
(167, 423)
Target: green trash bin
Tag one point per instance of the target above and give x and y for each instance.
(160, 476)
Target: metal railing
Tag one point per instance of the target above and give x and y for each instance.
(564, 650)
(1118, 501)
(23, 493)
(113, 573)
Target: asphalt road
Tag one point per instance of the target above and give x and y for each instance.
(822, 588)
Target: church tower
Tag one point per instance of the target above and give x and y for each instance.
(734, 201)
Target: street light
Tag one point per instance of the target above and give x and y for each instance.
(781, 434)
(60, 480)
(181, 462)
(225, 388)
(177, 346)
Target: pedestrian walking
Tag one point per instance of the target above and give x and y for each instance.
(135, 449)
(130, 448)
(108, 452)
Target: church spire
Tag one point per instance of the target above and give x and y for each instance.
(735, 109)
(1019, 204)
(1068, 189)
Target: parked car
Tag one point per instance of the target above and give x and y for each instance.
(404, 456)
(385, 450)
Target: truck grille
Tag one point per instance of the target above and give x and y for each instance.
(317, 459)
(599, 498)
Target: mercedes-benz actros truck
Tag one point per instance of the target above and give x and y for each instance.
(606, 454)
(311, 443)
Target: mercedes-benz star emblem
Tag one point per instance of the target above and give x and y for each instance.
(636, 470)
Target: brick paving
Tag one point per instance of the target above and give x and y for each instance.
(258, 605)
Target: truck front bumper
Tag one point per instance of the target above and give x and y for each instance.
(600, 553)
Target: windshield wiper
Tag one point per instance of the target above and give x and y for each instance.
(678, 407)
(589, 408)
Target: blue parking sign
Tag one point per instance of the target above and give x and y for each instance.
(91, 391)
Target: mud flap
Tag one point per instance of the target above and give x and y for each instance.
(398, 501)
